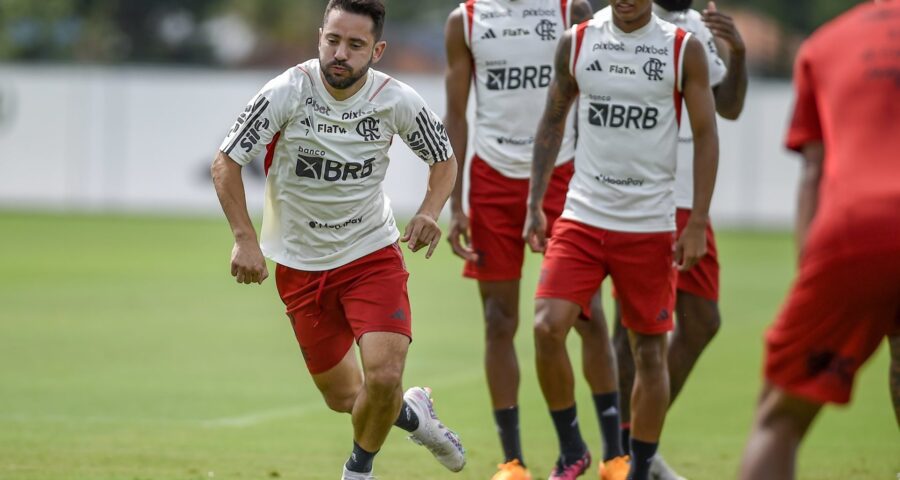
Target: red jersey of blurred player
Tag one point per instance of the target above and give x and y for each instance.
(847, 294)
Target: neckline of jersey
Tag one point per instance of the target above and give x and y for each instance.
(320, 83)
(636, 33)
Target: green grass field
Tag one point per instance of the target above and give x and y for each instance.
(128, 352)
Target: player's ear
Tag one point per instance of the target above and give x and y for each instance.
(378, 51)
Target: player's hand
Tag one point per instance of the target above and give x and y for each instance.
(247, 263)
(459, 237)
(722, 26)
(422, 231)
(691, 246)
(535, 233)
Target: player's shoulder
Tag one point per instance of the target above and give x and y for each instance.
(667, 27)
(389, 92)
(690, 20)
(683, 18)
(294, 79)
(854, 22)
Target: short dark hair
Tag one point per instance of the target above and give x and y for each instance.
(373, 9)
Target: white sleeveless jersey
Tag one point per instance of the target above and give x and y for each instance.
(325, 162)
(628, 113)
(513, 44)
(691, 21)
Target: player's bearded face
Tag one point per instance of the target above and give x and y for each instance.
(674, 5)
(339, 74)
(347, 48)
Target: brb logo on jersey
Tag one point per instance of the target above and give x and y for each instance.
(546, 30)
(611, 115)
(367, 128)
(515, 78)
(320, 168)
(654, 69)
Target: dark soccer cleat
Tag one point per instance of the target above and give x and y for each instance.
(573, 471)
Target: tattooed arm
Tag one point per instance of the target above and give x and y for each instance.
(562, 92)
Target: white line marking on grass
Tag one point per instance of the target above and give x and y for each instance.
(88, 419)
(263, 416)
(259, 417)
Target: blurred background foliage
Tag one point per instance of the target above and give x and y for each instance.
(273, 33)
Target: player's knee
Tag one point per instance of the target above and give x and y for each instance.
(500, 324)
(710, 321)
(383, 382)
(649, 356)
(548, 331)
(341, 402)
(699, 318)
(790, 416)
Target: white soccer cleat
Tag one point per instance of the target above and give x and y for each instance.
(660, 470)
(348, 475)
(442, 442)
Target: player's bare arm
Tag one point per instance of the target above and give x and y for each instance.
(698, 99)
(808, 194)
(581, 11)
(730, 93)
(423, 229)
(457, 82)
(562, 92)
(247, 262)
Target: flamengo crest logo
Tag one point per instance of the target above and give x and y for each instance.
(546, 30)
(367, 128)
(654, 69)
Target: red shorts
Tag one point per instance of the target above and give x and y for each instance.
(838, 311)
(497, 208)
(329, 309)
(579, 257)
(703, 279)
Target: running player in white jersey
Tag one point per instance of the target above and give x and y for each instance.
(630, 73)
(326, 126)
(696, 305)
(507, 47)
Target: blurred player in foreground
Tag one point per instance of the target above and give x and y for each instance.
(846, 297)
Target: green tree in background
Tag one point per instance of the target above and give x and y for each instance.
(263, 32)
